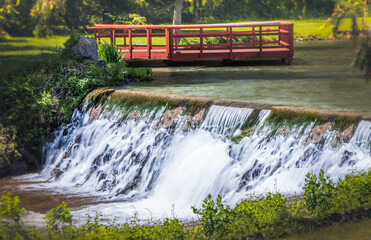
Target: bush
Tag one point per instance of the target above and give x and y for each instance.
(318, 193)
(109, 52)
(353, 193)
(264, 216)
(214, 216)
(11, 226)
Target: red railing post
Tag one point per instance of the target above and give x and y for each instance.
(227, 30)
(279, 33)
(130, 44)
(169, 45)
(113, 37)
(260, 39)
(124, 38)
(98, 36)
(253, 36)
(149, 43)
(201, 41)
(230, 42)
(291, 39)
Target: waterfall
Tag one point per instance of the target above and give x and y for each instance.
(225, 120)
(362, 136)
(134, 158)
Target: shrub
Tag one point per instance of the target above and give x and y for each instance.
(264, 216)
(109, 52)
(353, 193)
(214, 215)
(11, 212)
(58, 218)
(318, 192)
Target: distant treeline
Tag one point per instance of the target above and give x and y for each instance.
(49, 17)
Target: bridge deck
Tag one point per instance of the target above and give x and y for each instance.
(210, 41)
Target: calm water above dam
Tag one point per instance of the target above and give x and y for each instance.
(321, 76)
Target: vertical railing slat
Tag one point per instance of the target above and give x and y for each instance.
(253, 36)
(149, 43)
(124, 38)
(260, 39)
(201, 41)
(230, 42)
(130, 44)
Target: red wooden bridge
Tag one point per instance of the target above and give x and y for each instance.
(237, 41)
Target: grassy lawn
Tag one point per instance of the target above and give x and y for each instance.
(351, 231)
(17, 53)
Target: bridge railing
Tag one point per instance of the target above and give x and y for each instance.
(168, 41)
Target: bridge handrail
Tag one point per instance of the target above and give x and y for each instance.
(255, 30)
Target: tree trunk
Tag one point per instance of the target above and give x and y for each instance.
(177, 17)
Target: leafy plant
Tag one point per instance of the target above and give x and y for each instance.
(318, 192)
(58, 218)
(109, 52)
(71, 41)
(267, 215)
(10, 212)
(214, 215)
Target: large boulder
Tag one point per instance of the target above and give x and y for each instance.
(85, 48)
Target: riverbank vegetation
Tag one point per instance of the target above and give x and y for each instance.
(38, 99)
(272, 216)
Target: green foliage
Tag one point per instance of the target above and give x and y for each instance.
(318, 192)
(353, 193)
(8, 144)
(267, 215)
(58, 218)
(323, 198)
(10, 208)
(348, 9)
(138, 74)
(214, 215)
(11, 226)
(73, 39)
(109, 52)
(15, 17)
(39, 99)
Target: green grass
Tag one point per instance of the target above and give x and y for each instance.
(351, 231)
(18, 53)
(315, 27)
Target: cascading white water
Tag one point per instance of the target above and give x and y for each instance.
(362, 136)
(225, 120)
(154, 170)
